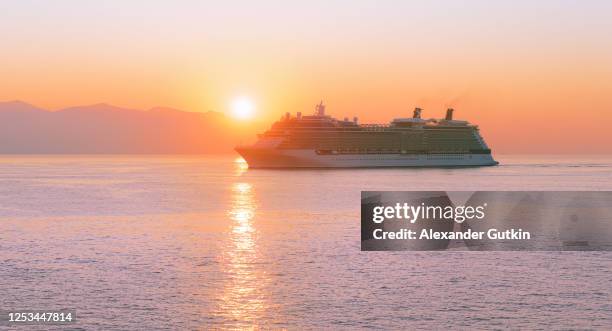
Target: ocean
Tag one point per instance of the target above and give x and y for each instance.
(197, 242)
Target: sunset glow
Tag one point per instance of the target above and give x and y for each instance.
(502, 64)
(243, 108)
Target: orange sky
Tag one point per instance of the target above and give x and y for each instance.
(537, 78)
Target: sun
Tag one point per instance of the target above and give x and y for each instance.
(243, 108)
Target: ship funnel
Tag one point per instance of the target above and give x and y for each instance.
(417, 112)
(320, 109)
(287, 115)
(346, 119)
(299, 115)
(449, 114)
(355, 119)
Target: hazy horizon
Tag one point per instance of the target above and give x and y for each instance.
(104, 128)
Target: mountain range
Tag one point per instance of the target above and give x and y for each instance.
(108, 129)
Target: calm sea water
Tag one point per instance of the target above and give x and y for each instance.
(149, 242)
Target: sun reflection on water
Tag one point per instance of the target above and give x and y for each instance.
(243, 298)
(241, 166)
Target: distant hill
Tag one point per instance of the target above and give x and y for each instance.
(108, 129)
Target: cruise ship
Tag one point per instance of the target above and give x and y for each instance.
(321, 141)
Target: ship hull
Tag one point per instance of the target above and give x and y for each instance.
(306, 158)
